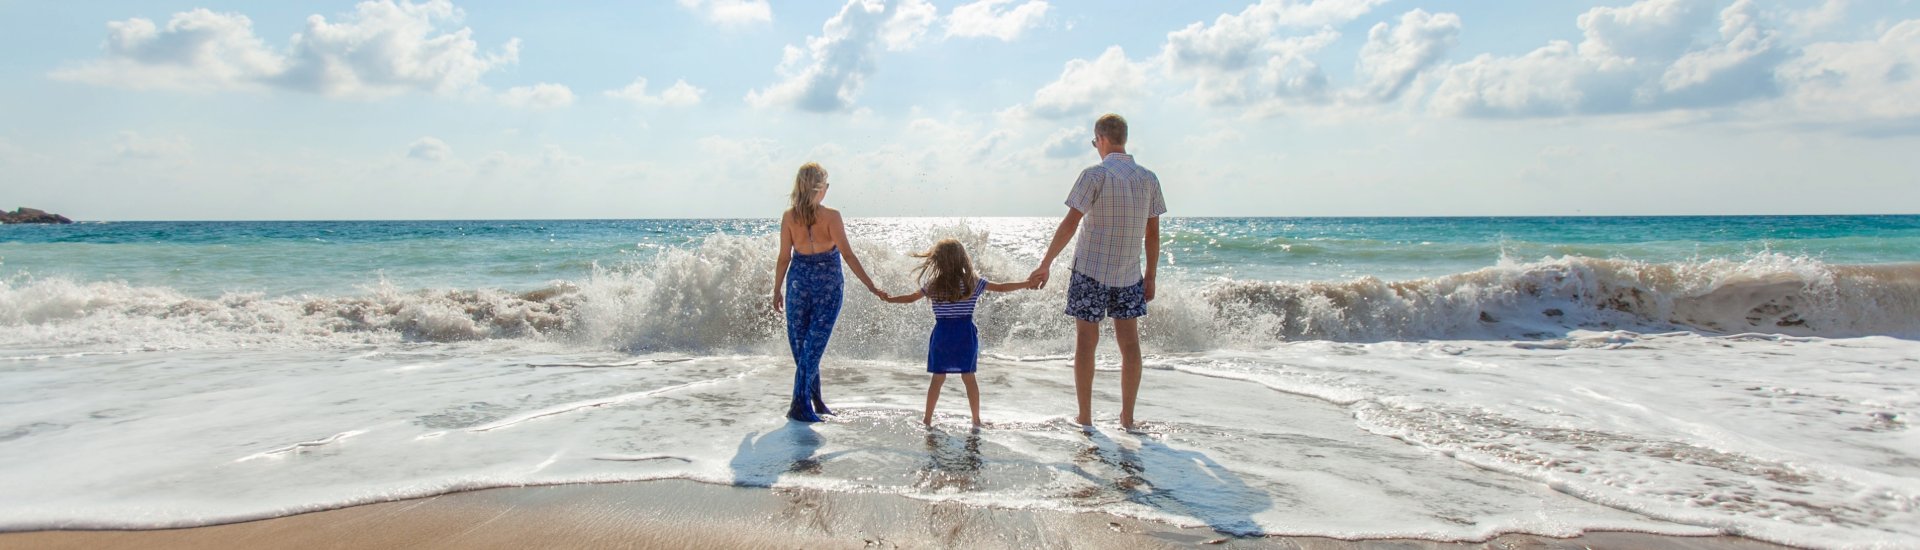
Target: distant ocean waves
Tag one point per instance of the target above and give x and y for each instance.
(713, 297)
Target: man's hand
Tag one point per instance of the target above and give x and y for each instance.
(1147, 285)
(1039, 277)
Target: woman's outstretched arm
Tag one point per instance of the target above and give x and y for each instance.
(837, 225)
(783, 255)
(907, 299)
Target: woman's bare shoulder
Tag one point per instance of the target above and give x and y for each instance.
(827, 214)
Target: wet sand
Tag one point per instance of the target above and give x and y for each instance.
(685, 514)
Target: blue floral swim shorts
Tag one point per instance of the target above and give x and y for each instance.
(1090, 301)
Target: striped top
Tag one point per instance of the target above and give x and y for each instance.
(959, 309)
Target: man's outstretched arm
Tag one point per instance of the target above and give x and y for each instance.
(1061, 235)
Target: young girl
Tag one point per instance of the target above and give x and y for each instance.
(947, 278)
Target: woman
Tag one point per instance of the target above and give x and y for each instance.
(813, 238)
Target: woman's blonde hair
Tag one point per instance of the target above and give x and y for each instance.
(946, 273)
(806, 184)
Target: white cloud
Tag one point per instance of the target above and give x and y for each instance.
(553, 156)
(741, 159)
(539, 96)
(1644, 30)
(1069, 143)
(1636, 58)
(197, 50)
(1738, 66)
(1814, 20)
(984, 19)
(429, 149)
(1255, 55)
(680, 94)
(534, 166)
(828, 74)
(1085, 86)
(908, 24)
(1394, 56)
(1871, 82)
(382, 48)
(731, 12)
(132, 145)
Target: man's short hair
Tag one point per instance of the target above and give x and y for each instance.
(1112, 127)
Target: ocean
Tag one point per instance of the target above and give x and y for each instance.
(1446, 379)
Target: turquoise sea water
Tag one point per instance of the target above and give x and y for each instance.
(291, 258)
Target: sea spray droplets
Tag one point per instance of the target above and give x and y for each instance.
(715, 296)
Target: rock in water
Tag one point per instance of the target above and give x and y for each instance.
(31, 215)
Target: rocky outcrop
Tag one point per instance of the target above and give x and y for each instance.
(31, 215)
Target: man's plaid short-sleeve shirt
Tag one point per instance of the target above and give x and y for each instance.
(1114, 198)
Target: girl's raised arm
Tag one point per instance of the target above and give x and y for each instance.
(1010, 287)
(907, 299)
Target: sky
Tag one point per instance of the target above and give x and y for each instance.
(230, 110)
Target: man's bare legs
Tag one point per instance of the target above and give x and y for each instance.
(1086, 338)
(1127, 332)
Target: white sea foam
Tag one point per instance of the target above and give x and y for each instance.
(715, 298)
(1770, 397)
(1306, 438)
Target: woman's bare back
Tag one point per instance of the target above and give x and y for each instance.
(811, 240)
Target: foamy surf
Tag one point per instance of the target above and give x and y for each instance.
(1763, 392)
(712, 298)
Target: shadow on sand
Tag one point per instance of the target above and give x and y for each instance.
(1177, 481)
(789, 449)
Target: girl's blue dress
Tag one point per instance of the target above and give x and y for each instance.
(954, 347)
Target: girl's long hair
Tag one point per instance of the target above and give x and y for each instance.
(805, 185)
(946, 272)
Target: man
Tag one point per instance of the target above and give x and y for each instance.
(1116, 207)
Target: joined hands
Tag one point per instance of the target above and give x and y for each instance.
(1038, 279)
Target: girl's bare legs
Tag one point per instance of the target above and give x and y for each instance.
(973, 397)
(933, 396)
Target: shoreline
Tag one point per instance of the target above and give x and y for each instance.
(683, 513)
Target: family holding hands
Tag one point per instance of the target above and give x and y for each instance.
(1115, 209)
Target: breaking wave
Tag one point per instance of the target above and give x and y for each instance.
(715, 298)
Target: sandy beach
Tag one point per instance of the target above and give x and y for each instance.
(685, 514)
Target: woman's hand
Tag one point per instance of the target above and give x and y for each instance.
(779, 302)
(881, 294)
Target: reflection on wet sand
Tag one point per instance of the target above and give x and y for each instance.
(953, 462)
